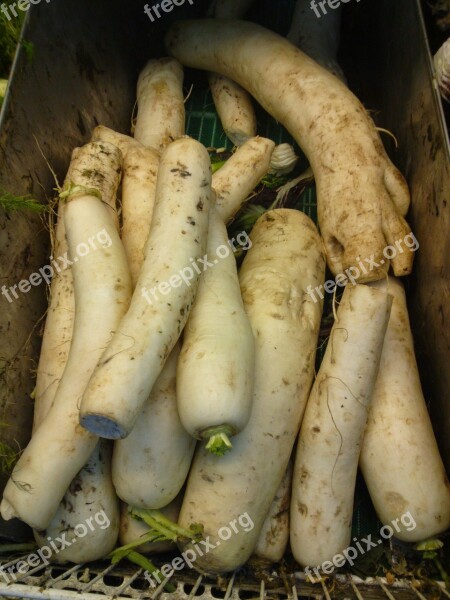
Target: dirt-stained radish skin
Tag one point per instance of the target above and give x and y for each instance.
(241, 173)
(60, 447)
(90, 507)
(362, 197)
(151, 464)
(400, 458)
(140, 169)
(216, 365)
(286, 255)
(234, 107)
(161, 115)
(160, 305)
(274, 536)
(233, 103)
(331, 434)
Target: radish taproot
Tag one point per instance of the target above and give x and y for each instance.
(140, 169)
(161, 115)
(286, 255)
(240, 174)
(216, 364)
(362, 197)
(410, 476)
(151, 464)
(234, 107)
(91, 491)
(330, 438)
(233, 103)
(163, 297)
(274, 536)
(88, 513)
(60, 447)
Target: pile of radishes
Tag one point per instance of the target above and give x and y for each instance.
(206, 385)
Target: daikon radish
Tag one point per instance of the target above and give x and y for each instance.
(234, 107)
(317, 34)
(132, 529)
(88, 513)
(228, 491)
(274, 536)
(163, 297)
(362, 197)
(91, 493)
(331, 434)
(60, 447)
(58, 326)
(161, 115)
(216, 365)
(140, 169)
(233, 104)
(150, 466)
(241, 173)
(400, 458)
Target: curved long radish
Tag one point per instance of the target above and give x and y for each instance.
(60, 447)
(216, 364)
(400, 458)
(233, 103)
(163, 297)
(150, 466)
(361, 195)
(331, 434)
(241, 173)
(161, 115)
(234, 107)
(286, 256)
(122, 141)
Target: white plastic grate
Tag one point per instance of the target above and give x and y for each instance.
(115, 582)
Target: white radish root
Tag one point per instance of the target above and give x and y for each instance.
(400, 458)
(163, 297)
(286, 255)
(216, 366)
(120, 140)
(241, 173)
(331, 434)
(60, 447)
(140, 169)
(362, 197)
(150, 466)
(161, 115)
(234, 107)
(88, 513)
